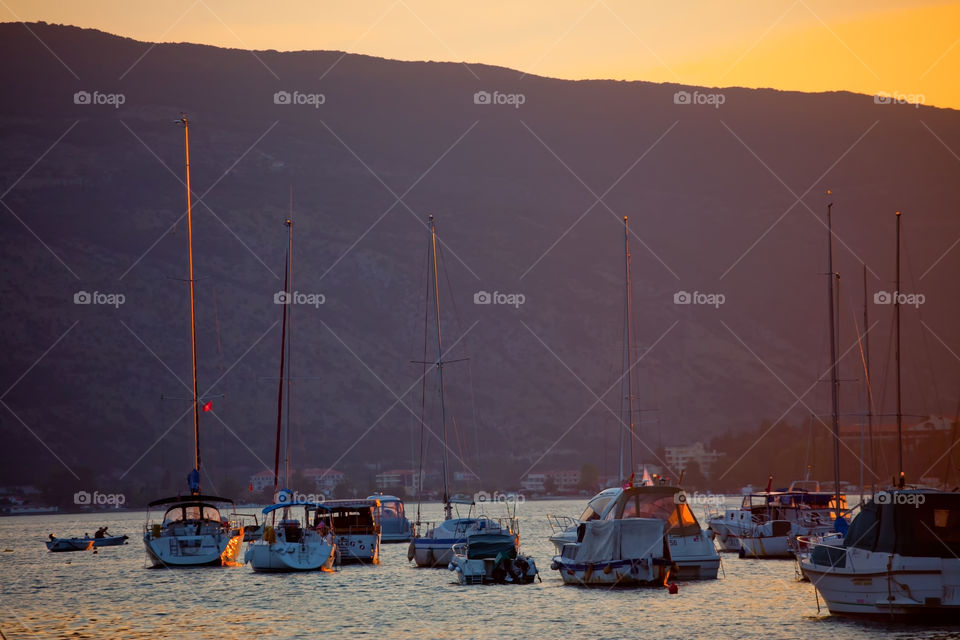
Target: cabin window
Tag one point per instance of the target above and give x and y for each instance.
(594, 509)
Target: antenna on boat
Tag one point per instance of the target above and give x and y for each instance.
(447, 507)
(834, 382)
(193, 317)
(896, 308)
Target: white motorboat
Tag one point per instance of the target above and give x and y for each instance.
(192, 532)
(298, 541)
(356, 529)
(625, 552)
(691, 550)
(492, 558)
(899, 559)
(394, 525)
(806, 512)
(434, 542)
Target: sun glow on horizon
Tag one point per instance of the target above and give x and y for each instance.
(879, 46)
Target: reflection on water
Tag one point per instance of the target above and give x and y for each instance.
(111, 594)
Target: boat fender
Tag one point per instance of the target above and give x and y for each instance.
(588, 573)
(411, 550)
(554, 566)
(672, 588)
(607, 569)
(451, 567)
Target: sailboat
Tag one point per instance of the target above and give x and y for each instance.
(192, 532)
(899, 558)
(301, 538)
(432, 544)
(633, 535)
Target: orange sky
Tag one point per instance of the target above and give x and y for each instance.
(867, 46)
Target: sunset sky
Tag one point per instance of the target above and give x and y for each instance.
(911, 48)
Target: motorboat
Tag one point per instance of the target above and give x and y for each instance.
(434, 542)
(355, 529)
(627, 552)
(899, 559)
(297, 540)
(492, 558)
(691, 550)
(752, 528)
(191, 533)
(394, 525)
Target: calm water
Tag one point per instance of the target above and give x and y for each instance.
(112, 595)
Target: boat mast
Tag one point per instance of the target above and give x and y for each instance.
(289, 314)
(896, 307)
(628, 359)
(283, 353)
(447, 508)
(834, 382)
(193, 317)
(866, 372)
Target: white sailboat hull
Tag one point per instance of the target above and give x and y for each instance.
(185, 551)
(313, 555)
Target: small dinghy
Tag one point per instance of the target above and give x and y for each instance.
(85, 543)
(492, 558)
(69, 544)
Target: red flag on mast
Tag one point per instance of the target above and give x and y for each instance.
(208, 406)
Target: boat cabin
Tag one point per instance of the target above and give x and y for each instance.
(660, 502)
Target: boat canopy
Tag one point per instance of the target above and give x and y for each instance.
(351, 505)
(661, 502)
(913, 523)
(490, 545)
(194, 499)
(300, 503)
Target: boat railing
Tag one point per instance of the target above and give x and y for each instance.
(559, 524)
(460, 549)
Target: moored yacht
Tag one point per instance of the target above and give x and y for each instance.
(300, 540)
(900, 558)
(691, 551)
(394, 525)
(191, 533)
(355, 529)
(766, 521)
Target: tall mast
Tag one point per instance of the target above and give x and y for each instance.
(447, 508)
(193, 316)
(896, 307)
(628, 359)
(866, 370)
(286, 446)
(283, 353)
(834, 382)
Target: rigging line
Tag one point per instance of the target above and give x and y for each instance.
(423, 381)
(442, 262)
(925, 339)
